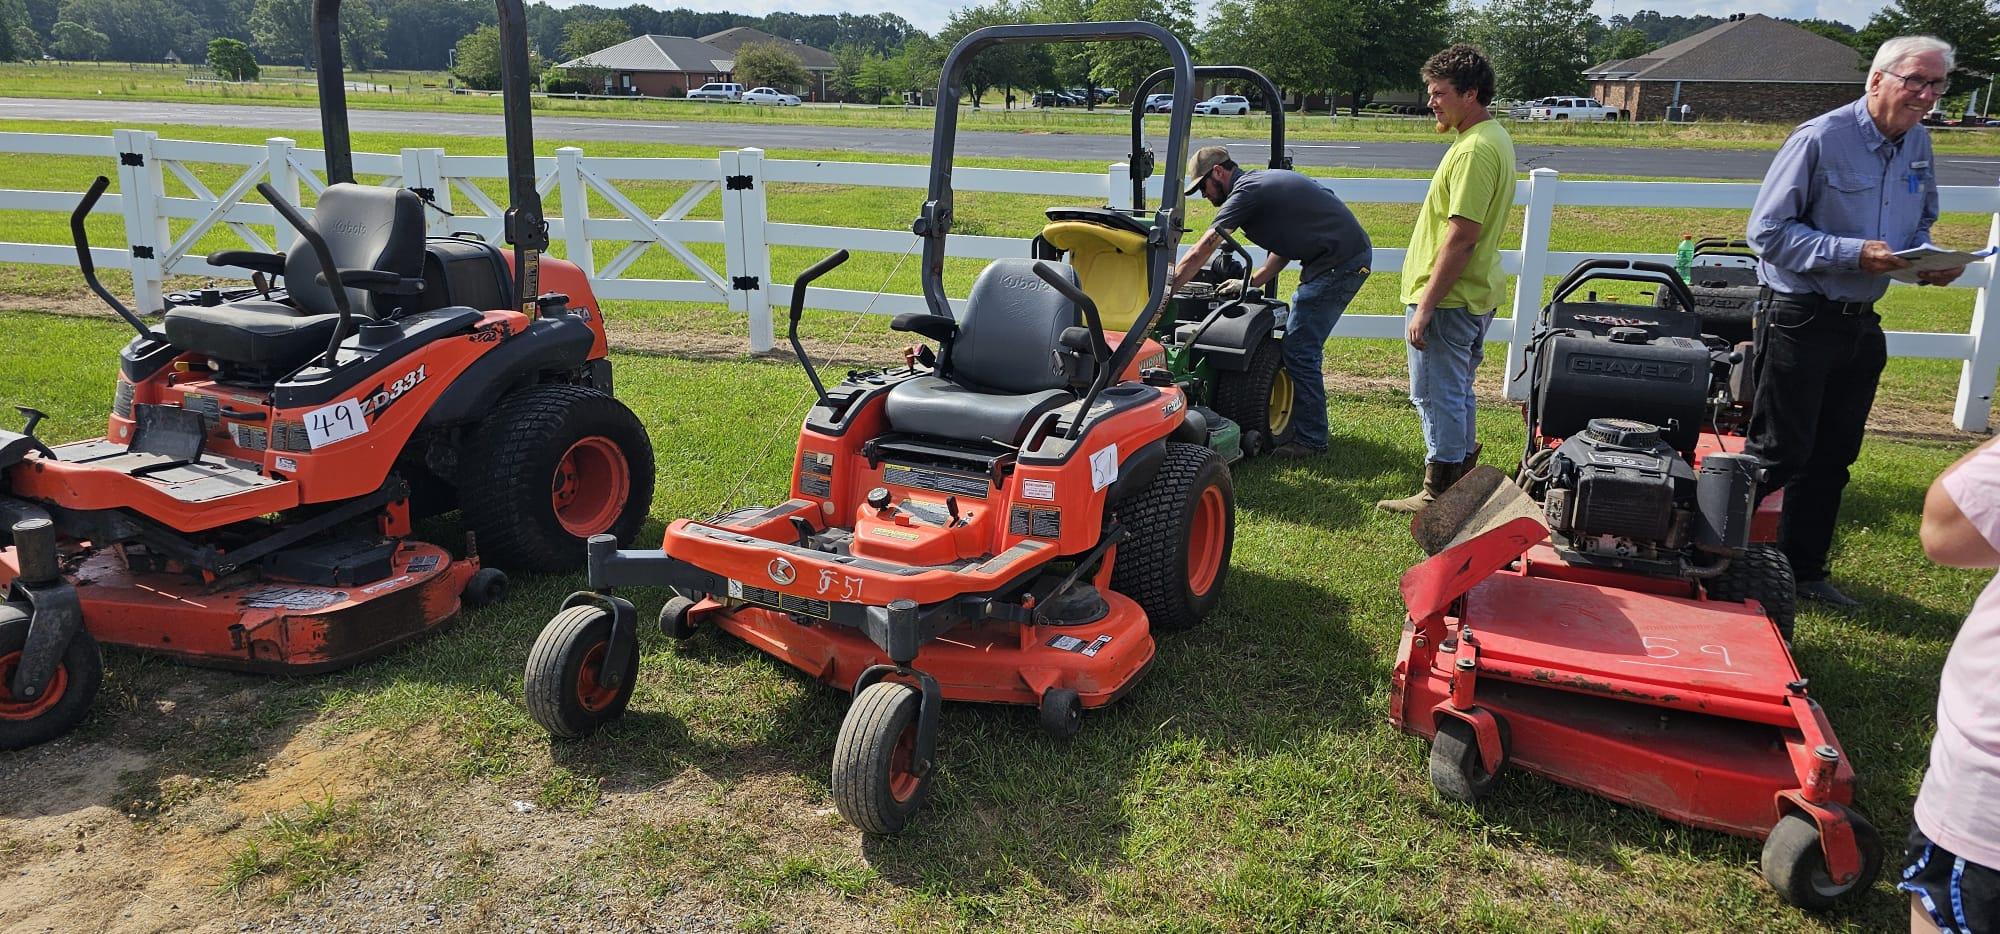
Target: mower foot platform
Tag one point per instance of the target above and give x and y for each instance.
(273, 626)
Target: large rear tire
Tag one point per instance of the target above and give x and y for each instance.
(549, 467)
(1259, 398)
(1179, 532)
(66, 699)
(1762, 573)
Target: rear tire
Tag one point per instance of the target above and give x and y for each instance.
(1763, 574)
(563, 682)
(549, 467)
(874, 786)
(65, 700)
(1795, 867)
(1180, 529)
(1259, 398)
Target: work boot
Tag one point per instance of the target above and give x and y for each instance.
(1292, 451)
(1823, 591)
(1438, 477)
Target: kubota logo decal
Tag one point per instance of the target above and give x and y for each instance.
(781, 571)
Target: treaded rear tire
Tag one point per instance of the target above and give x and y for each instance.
(510, 466)
(1152, 564)
(872, 785)
(1244, 397)
(78, 677)
(559, 679)
(1764, 574)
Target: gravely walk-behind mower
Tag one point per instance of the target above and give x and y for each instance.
(1225, 353)
(1007, 520)
(1574, 625)
(250, 505)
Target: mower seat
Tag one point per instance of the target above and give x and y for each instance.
(365, 227)
(1110, 262)
(1004, 370)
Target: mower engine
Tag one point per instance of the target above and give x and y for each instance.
(1618, 494)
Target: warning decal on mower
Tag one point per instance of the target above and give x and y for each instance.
(422, 563)
(1044, 490)
(292, 598)
(1074, 644)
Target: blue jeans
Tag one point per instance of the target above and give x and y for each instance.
(1441, 381)
(1316, 308)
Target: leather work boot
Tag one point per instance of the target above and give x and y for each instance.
(1438, 477)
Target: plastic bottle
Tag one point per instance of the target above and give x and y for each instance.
(1684, 258)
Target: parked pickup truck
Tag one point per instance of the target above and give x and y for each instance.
(1571, 108)
(717, 91)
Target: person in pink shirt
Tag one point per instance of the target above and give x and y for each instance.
(1950, 869)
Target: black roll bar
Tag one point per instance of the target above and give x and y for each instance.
(1140, 163)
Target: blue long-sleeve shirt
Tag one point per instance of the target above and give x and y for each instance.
(1837, 183)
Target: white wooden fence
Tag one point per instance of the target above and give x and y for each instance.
(153, 251)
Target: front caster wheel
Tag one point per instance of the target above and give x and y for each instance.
(1455, 769)
(63, 702)
(674, 619)
(1062, 712)
(486, 587)
(875, 785)
(1794, 864)
(565, 682)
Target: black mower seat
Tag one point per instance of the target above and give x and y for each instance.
(365, 227)
(255, 333)
(1003, 365)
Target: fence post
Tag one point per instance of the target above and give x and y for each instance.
(744, 212)
(278, 165)
(141, 186)
(575, 211)
(1119, 177)
(1976, 377)
(423, 172)
(1535, 228)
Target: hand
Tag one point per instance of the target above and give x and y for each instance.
(1876, 257)
(1940, 276)
(1230, 288)
(1413, 328)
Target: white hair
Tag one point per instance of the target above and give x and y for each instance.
(1902, 48)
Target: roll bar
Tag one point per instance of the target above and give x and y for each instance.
(526, 228)
(1140, 163)
(934, 221)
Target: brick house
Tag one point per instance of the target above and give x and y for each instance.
(1751, 67)
(820, 63)
(656, 66)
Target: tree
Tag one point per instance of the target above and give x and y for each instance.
(584, 36)
(282, 30)
(768, 64)
(1622, 44)
(360, 35)
(1971, 26)
(1837, 31)
(1537, 46)
(1004, 66)
(77, 42)
(231, 60)
(479, 59)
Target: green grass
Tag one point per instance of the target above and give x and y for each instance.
(154, 83)
(1251, 781)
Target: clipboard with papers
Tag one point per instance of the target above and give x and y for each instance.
(1929, 257)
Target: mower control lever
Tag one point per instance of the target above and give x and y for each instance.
(89, 268)
(798, 307)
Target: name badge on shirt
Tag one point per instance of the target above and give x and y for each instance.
(1921, 164)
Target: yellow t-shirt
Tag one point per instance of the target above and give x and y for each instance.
(1474, 181)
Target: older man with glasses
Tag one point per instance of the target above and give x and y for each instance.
(1849, 189)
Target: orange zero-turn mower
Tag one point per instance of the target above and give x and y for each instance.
(1007, 520)
(250, 505)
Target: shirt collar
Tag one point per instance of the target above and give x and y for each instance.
(1870, 133)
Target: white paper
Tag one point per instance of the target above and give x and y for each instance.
(1103, 467)
(339, 421)
(1930, 257)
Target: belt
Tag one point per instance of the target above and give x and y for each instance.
(1818, 302)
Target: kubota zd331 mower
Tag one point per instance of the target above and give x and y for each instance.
(1584, 623)
(250, 505)
(1008, 520)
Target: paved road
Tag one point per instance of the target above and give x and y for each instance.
(1685, 163)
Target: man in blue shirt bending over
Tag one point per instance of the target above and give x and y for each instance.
(1848, 190)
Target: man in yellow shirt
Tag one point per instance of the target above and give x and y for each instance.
(1452, 281)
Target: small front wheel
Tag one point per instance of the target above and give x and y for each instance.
(566, 687)
(1455, 769)
(674, 619)
(876, 785)
(486, 587)
(63, 702)
(1794, 864)
(1062, 712)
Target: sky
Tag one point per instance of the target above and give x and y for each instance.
(929, 17)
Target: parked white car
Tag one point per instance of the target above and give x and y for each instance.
(717, 91)
(771, 96)
(1224, 104)
(1571, 108)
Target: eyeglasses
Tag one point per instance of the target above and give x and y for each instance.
(1917, 85)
